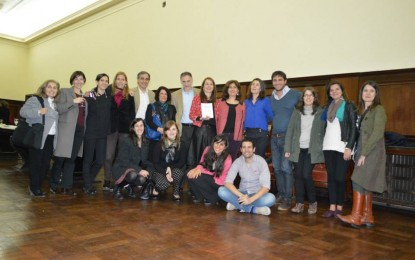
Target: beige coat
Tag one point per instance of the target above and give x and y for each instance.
(151, 97)
(177, 101)
(68, 116)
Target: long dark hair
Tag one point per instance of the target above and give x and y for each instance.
(376, 101)
(134, 136)
(203, 96)
(328, 86)
(316, 103)
(211, 158)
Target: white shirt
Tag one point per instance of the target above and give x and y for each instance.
(144, 101)
(187, 103)
(332, 139)
(284, 92)
(52, 130)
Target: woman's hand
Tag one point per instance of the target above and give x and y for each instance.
(347, 155)
(160, 130)
(168, 175)
(361, 160)
(144, 173)
(287, 155)
(78, 100)
(43, 111)
(194, 173)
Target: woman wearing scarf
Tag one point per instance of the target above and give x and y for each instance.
(122, 113)
(163, 110)
(169, 157)
(339, 139)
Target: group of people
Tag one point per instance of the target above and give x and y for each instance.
(157, 140)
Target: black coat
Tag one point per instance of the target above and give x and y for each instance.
(159, 158)
(130, 156)
(99, 114)
(122, 116)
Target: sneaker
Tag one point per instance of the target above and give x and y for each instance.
(312, 208)
(107, 186)
(285, 205)
(266, 211)
(299, 208)
(230, 206)
(279, 200)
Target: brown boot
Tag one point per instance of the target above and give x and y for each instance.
(367, 219)
(354, 219)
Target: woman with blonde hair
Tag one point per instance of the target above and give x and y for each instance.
(33, 112)
(122, 113)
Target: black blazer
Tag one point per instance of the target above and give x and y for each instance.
(98, 122)
(159, 158)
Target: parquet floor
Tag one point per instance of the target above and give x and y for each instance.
(99, 227)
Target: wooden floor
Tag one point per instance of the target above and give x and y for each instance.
(99, 227)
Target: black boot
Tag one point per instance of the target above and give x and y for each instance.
(131, 192)
(145, 190)
(117, 192)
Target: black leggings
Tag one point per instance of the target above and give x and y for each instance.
(336, 174)
(205, 188)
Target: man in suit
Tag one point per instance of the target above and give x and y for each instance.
(182, 100)
(142, 96)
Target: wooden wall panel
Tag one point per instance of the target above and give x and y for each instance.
(398, 100)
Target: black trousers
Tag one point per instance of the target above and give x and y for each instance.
(40, 163)
(261, 140)
(91, 167)
(205, 188)
(336, 175)
(67, 164)
(303, 178)
(187, 139)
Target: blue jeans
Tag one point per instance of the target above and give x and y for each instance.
(267, 200)
(282, 169)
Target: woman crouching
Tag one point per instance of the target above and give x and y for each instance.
(210, 174)
(169, 157)
(131, 164)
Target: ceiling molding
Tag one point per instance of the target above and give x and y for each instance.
(67, 21)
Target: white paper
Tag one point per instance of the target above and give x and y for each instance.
(207, 110)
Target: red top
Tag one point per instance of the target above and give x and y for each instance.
(196, 111)
(221, 116)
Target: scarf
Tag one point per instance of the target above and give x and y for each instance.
(336, 109)
(171, 151)
(163, 106)
(118, 98)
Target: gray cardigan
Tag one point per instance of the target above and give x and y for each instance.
(30, 111)
(292, 138)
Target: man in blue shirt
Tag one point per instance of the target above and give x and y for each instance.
(283, 101)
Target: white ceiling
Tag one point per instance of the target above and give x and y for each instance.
(22, 20)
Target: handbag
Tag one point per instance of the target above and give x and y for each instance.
(150, 133)
(29, 136)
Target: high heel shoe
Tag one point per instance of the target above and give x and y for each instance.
(176, 196)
